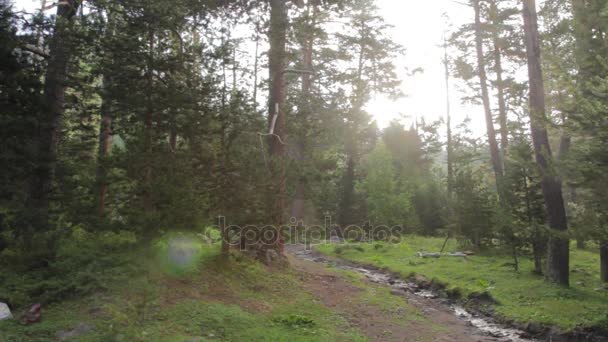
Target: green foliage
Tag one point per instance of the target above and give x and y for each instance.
(387, 202)
(474, 207)
(294, 321)
(84, 263)
(399, 186)
(339, 249)
(255, 305)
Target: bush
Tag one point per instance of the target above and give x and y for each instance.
(83, 262)
(294, 321)
(343, 248)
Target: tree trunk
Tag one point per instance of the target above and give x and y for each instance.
(39, 31)
(558, 247)
(515, 258)
(604, 260)
(537, 239)
(255, 66)
(483, 83)
(51, 118)
(105, 145)
(449, 147)
(565, 140)
(538, 256)
(234, 65)
(105, 128)
(502, 107)
(347, 190)
(347, 194)
(276, 141)
(147, 191)
(299, 201)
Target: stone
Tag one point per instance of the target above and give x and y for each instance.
(81, 329)
(534, 328)
(483, 298)
(5, 312)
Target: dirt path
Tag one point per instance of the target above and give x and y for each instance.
(384, 319)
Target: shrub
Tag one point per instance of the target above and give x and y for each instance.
(294, 321)
(83, 262)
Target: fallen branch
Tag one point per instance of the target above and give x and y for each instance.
(438, 255)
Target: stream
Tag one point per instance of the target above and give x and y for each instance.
(484, 325)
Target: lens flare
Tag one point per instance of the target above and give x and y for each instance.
(180, 253)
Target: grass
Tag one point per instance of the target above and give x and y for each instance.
(371, 294)
(522, 296)
(208, 299)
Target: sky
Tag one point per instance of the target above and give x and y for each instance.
(418, 26)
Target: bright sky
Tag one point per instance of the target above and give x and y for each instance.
(419, 26)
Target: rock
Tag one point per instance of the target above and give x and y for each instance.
(422, 282)
(534, 328)
(396, 292)
(428, 255)
(81, 329)
(556, 335)
(438, 255)
(482, 298)
(525, 335)
(5, 312)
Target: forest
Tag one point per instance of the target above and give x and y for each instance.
(199, 170)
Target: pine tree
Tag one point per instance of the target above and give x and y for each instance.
(51, 116)
(558, 251)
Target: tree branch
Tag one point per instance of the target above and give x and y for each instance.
(36, 50)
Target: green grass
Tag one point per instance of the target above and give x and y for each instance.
(371, 294)
(522, 296)
(212, 299)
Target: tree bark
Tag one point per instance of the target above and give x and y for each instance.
(105, 129)
(502, 107)
(449, 147)
(483, 83)
(565, 140)
(255, 66)
(51, 118)
(276, 117)
(604, 260)
(147, 191)
(105, 145)
(558, 247)
(347, 194)
(299, 201)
